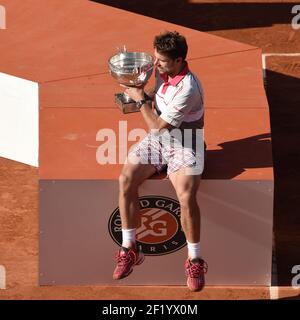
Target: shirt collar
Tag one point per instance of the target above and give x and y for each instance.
(174, 81)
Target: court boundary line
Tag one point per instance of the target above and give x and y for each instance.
(274, 289)
(266, 55)
(2, 277)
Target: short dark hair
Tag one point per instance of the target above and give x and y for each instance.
(172, 44)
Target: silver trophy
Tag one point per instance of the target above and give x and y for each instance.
(131, 69)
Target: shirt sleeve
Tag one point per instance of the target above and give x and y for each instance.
(178, 108)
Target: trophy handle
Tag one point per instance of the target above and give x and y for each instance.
(123, 49)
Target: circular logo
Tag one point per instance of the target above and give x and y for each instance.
(159, 231)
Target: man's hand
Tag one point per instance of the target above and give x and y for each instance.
(135, 93)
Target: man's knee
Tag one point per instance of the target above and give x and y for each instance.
(130, 178)
(187, 199)
(126, 182)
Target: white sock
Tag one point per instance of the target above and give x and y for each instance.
(128, 237)
(193, 250)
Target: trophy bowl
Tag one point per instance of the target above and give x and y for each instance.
(131, 69)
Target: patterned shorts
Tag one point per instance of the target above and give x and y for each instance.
(168, 153)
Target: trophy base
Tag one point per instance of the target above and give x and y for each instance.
(125, 105)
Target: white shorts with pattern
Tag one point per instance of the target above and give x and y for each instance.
(168, 153)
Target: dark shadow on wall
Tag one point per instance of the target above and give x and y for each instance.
(209, 16)
(235, 157)
(284, 101)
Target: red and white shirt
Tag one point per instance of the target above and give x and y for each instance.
(179, 101)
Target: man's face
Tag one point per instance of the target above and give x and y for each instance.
(164, 64)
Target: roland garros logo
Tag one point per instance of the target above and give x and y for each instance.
(159, 231)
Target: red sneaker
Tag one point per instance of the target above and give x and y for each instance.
(126, 260)
(195, 270)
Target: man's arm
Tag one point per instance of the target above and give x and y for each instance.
(152, 120)
(150, 93)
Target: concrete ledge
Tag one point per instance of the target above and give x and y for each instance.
(19, 114)
(80, 232)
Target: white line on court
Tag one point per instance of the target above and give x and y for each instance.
(274, 293)
(274, 290)
(2, 277)
(266, 55)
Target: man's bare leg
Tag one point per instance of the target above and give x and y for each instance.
(186, 187)
(130, 179)
(132, 176)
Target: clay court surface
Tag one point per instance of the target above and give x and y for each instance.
(264, 24)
